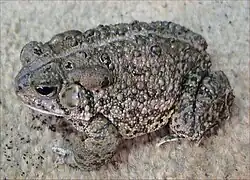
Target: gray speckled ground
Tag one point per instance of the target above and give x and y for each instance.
(225, 25)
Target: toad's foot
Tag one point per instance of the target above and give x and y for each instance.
(64, 156)
(168, 138)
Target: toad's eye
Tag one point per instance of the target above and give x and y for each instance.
(46, 90)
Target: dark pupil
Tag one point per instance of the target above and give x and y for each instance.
(46, 90)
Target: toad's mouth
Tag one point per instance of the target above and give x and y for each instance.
(61, 114)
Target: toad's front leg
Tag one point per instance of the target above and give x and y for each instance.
(95, 146)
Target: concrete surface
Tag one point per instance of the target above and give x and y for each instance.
(24, 143)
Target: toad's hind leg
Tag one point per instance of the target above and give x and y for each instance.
(202, 109)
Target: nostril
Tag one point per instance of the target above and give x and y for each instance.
(19, 88)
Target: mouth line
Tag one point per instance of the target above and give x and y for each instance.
(43, 111)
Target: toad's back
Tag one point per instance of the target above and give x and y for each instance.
(149, 70)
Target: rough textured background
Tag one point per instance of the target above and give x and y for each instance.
(24, 143)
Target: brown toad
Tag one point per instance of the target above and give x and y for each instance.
(121, 81)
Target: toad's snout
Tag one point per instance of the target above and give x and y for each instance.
(21, 82)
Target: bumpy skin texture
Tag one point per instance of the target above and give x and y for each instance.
(120, 81)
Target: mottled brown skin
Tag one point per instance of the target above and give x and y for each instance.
(122, 81)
